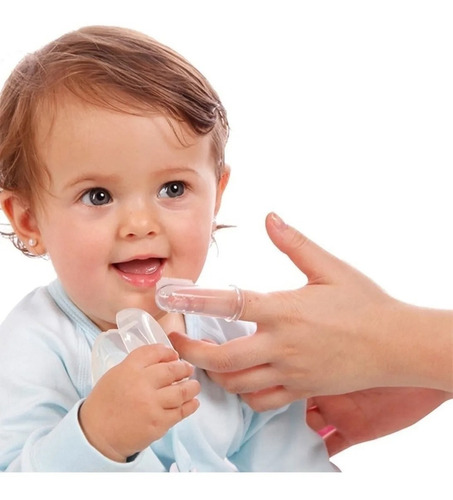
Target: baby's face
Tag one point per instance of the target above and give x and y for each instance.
(127, 204)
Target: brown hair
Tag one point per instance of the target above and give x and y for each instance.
(113, 67)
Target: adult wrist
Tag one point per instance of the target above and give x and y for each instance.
(419, 351)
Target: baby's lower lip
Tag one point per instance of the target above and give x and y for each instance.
(140, 272)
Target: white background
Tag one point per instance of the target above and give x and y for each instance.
(342, 119)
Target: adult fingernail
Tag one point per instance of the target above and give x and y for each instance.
(327, 431)
(278, 222)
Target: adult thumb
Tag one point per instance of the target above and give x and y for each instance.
(315, 262)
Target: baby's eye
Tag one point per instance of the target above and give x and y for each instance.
(172, 189)
(96, 196)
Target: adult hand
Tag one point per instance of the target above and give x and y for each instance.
(339, 333)
(369, 414)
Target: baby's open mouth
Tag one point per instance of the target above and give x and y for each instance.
(139, 266)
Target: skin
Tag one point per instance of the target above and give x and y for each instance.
(365, 415)
(126, 204)
(374, 340)
(338, 339)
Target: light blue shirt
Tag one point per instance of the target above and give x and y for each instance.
(45, 374)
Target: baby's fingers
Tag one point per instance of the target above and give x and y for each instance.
(177, 395)
(171, 372)
(175, 415)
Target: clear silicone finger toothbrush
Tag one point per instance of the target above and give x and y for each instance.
(135, 328)
(180, 295)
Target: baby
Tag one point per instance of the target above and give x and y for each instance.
(112, 163)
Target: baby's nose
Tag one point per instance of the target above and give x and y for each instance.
(139, 223)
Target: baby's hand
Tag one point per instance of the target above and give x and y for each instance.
(137, 401)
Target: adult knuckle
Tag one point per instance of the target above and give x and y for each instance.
(288, 312)
(224, 363)
(236, 384)
(297, 240)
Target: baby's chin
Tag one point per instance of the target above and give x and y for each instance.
(155, 312)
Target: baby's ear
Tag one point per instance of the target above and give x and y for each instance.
(222, 184)
(22, 220)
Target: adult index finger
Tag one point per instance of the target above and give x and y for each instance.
(231, 304)
(237, 354)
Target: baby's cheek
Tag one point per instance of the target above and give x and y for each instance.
(190, 263)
